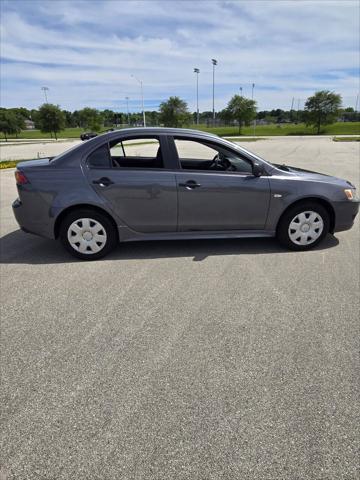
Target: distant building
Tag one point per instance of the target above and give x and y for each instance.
(29, 125)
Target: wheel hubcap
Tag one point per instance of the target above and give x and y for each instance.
(87, 236)
(306, 227)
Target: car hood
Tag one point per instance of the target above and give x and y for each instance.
(311, 175)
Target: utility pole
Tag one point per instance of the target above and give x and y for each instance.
(214, 62)
(142, 98)
(197, 71)
(45, 89)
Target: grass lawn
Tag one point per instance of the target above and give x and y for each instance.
(344, 128)
(346, 139)
(11, 163)
(34, 134)
(246, 139)
(341, 128)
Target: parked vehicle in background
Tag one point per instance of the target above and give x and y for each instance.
(163, 183)
(88, 135)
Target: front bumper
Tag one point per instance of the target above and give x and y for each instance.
(345, 214)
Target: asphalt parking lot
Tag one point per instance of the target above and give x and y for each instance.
(183, 360)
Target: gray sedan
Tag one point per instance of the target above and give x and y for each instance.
(163, 184)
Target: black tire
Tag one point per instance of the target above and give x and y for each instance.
(282, 232)
(108, 232)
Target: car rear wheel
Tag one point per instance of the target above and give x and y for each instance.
(88, 234)
(303, 226)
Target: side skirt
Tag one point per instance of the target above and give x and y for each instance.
(127, 235)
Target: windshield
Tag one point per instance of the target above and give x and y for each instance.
(244, 150)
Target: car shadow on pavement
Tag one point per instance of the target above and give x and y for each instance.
(20, 248)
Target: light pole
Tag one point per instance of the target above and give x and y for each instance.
(297, 112)
(240, 91)
(292, 110)
(252, 98)
(214, 62)
(45, 89)
(127, 108)
(197, 71)
(142, 98)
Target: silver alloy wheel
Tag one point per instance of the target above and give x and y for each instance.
(87, 236)
(306, 227)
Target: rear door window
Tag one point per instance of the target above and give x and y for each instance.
(136, 153)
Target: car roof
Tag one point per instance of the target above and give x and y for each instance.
(158, 131)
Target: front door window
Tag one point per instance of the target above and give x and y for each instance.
(203, 156)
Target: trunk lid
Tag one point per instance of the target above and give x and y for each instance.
(41, 162)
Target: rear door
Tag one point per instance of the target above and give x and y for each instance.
(131, 175)
(215, 200)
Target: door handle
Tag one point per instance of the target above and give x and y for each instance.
(190, 184)
(103, 182)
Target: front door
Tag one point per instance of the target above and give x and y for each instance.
(217, 191)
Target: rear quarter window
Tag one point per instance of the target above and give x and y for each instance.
(99, 158)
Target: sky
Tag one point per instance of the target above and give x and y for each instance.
(86, 52)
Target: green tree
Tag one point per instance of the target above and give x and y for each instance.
(348, 114)
(51, 119)
(34, 116)
(241, 109)
(152, 118)
(136, 119)
(206, 117)
(76, 118)
(90, 118)
(69, 120)
(10, 123)
(226, 116)
(21, 115)
(174, 113)
(110, 118)
(322, 108)
(22, 112)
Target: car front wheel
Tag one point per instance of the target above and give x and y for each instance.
(88, 234)
(303, 226)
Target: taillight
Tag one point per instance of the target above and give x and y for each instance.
(20, 178)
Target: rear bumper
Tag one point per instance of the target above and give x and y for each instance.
(345, 214)
(30, 223)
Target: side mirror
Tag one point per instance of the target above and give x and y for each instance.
(257, 169)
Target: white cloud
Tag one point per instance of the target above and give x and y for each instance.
(86, 55)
